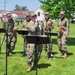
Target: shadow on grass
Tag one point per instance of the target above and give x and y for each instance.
(21, 52)
(70, 41)
(2, 53)
(54, 40)
(42, 65)
(69, 53)
(55, 53)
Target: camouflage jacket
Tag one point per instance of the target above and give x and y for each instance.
(10, 25)
(65, 25)
(33, 28)
(48, 24)
(24, 24)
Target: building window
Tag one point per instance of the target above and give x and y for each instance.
(38, 13)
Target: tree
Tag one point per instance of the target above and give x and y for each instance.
(55, 6)
(17, 7)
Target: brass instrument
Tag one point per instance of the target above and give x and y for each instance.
(48, 27)
(61, 25)
(59, 29)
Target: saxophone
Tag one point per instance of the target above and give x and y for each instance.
(59, 29)
(48, 27)
(61, 25)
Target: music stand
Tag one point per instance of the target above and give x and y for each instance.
(2, 30)
(37, 39)
(51, 33)
(23, 32)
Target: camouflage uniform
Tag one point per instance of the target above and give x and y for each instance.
(11, 26)
(24, 27)
(63, 31)
(34, 29)
(26, 21)
(48, 26)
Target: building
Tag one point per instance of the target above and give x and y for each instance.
(40, 14)
(21, 13)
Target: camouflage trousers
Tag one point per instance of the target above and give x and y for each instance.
(62, 43)
(31, 53)
(11, 42)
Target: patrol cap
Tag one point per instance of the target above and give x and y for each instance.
(27, 14)
(46, 13)
(62, 13)
(8, 14)
(33, 14)
(4, 14)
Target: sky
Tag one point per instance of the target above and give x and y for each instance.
(10, 5)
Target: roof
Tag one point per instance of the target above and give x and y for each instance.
(19, 13)
(31, 11)
(39, 8)
(1, 11)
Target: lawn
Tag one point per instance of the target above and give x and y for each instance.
(58, 66)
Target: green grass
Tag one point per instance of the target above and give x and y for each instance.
(59, 66)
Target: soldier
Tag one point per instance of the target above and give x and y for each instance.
(48, 26)
(24, 26)
(26, 21)
(33, 30)
(11, 27)
(63, 31)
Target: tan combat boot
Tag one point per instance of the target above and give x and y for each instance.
(60, 54)
(65, 55)
(10, 53)
(46, 53)
(29, 68)
(52, 55)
